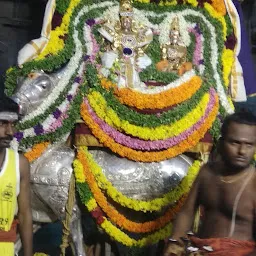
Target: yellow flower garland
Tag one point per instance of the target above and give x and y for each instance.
(153, 156)
(217, 16)
(118, 218)
(192, 2)
(161, 132)
(119, 235)
(123, 238)
(56, 43)
(138, 205)
(228, 58)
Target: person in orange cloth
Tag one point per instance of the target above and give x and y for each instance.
(15, 206)
(225, 189)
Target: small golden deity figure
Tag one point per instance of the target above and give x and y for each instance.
(128, 42)
(174, 53)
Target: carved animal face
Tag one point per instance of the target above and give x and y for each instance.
(32, 91)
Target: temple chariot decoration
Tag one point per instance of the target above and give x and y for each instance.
(140, 90)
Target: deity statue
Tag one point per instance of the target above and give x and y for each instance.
(128, 42)
(174, 53)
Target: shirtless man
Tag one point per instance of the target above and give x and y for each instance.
(14, 186)
(225, 191)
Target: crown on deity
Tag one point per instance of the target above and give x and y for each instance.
(126, 8)
(175, 24)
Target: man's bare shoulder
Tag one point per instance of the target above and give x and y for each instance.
(209, 170)
(254, 179)
(24, 165)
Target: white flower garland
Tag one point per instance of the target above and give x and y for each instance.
(71, 66)
(50, 120)
(178, 82)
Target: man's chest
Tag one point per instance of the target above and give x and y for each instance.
(219, 196)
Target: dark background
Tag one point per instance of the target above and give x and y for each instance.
(20, 21)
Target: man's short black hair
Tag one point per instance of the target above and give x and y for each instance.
(8, 105)
(241, 117)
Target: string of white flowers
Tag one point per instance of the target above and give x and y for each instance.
(178, 82)
(87, 39)
(214, 60)
(71, 66)
(63, 82)
(63, 107)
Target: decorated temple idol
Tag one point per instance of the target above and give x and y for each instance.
(132, 94)
(128, 41)
(174, 53)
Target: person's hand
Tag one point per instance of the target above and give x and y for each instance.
(174, 249)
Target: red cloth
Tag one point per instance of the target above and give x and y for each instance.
(225, 246)
(9, 236)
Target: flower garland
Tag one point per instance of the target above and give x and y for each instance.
(198, 53)
(62, 84)
(139, 144)
(148, 156)
(187, 78)
(159, 133)
(218, 5)
(138, 205)
(36, 151)
(160, 100)
(210, 9)
(112, 230)
(113, 214)
(215, 29)
(56, 42)
(227, 62)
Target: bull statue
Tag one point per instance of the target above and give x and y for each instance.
(52, 171)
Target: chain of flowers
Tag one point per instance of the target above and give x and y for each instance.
(36, 151)
(59, 122)
(160, 100)
(153, 156)
(113, 231)
(56, 42)
(198, 53)
(113, 214)
(139, 144)
(53, 62)
(156, 204)
(214, 45)
(218, 5)
(54, 120)
(148, 120)
(45, 110)
(162, 132)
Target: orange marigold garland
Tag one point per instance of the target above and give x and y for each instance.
(36, 151)
(160, 100)
(118, 218)
(153, 156)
